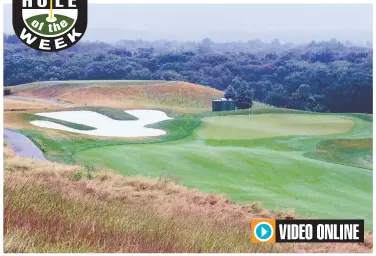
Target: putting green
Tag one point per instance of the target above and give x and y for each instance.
(255, 160)
(272, 125)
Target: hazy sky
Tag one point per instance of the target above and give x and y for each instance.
(288, 22)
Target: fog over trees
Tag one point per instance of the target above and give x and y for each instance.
(325, 76)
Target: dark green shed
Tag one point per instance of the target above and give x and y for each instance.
(223, 105)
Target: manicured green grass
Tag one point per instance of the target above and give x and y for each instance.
(272, 170)
(61, 149)
(272, 125)
(281, 180)
(280, 168)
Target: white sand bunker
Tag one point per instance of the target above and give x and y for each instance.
(106, 126)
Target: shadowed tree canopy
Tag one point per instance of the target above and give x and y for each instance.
(230, 93)
(319, 76)
(245, 97)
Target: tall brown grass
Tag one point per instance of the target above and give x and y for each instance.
(24, 105)
(50, 207)
(181, 97)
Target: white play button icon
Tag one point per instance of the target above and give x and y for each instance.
(263, 231)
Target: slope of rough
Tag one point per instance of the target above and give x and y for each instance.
(171, 95)
(49, 207)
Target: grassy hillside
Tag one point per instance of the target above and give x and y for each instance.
(51, 207)
(267, 168)
(19, 105)
(61, 146)
(39, 86)
(271, 157)
(320, 165)
(180, 96)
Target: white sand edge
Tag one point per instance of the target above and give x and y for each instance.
(106, 126)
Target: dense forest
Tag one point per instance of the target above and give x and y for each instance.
(328, 76)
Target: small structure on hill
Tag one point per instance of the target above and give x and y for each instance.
(223, 105)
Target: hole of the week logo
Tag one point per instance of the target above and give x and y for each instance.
(50, 25)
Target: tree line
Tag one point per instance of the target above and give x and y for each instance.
(327, 76)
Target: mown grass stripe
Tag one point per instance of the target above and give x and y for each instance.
(76, 126)
(112, 113)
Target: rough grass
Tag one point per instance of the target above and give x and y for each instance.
(46, 209)
(20, 120)
(260, 105)
(171, 95)
(179, 96)
(39, 86)
(20, 105)
(354, 152)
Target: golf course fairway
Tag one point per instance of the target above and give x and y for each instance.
(271, 158)
(271, 125)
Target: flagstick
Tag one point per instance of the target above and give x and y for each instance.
(51, 13)
(51, 17)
